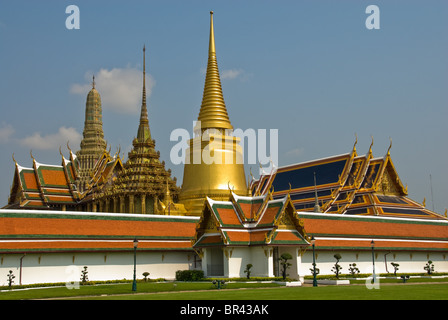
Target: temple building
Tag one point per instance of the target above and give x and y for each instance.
(95, 181)
(346, 184)
(141, 184)
(91, 208)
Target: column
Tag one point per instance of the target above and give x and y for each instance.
(143, 197)
(131, 203)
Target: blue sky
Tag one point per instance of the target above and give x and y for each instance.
(310, 69)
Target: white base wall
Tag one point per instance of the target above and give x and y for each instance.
(67, 267)
(237, 258)
(409, 262)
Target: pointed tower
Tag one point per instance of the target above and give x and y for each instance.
(213, 113)
(144, 180)
(93, 144)
(214, 158)
(144, 133)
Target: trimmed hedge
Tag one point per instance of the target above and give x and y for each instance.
(189, 275)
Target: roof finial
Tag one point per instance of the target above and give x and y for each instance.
(390, 146)
(356, 142)
(211, 48)
(93, 82)
(144, 84)
(371, 145)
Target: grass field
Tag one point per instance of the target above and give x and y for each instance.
(236, 291)
(389, 292)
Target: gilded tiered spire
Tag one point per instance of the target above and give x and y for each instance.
(143, 129)
(212, 168)
(142, 182)
(143, 151)
(213, 113)
(93, 144)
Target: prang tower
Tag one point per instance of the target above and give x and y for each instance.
(93, 144)
(214, 165)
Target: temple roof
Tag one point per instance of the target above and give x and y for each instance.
(333, 232)
(64, 231)
(345, 184)
(249, 221)
(43, 186)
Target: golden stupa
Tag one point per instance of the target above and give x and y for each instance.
(213, 163)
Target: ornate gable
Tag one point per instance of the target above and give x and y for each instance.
(389, 182)
(277, 223)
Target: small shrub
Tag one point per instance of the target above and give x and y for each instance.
(285, 264)
(84, 276)
(429, 267)
(395, 265)
(11, 277)
(337, 268)
(189, 275)
(312, 270)
(353, 269)
(248, 267)
(145, 274)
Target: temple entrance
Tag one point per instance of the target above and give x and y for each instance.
(215, 262)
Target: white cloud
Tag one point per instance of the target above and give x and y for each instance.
(51, 141)
(120, 88)
(231, 74)
(6, 131)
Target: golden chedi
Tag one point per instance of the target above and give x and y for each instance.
(214, 164)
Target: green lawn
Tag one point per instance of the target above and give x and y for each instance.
(389, 292)
(236, 291)
(122, 288)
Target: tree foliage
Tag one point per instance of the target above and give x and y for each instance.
(285, 264)
(337, 267)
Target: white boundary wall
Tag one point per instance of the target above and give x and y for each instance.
(409, 261)
(64, 267)
(67, 267)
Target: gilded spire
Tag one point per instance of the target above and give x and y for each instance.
(143, 128)
(213, 113)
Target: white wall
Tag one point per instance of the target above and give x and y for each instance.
(237, 258)
(410, 262)
(57, 267)
(63, 267)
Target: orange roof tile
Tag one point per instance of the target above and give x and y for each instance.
(53, 177)
(30, 180)
(374, 227)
